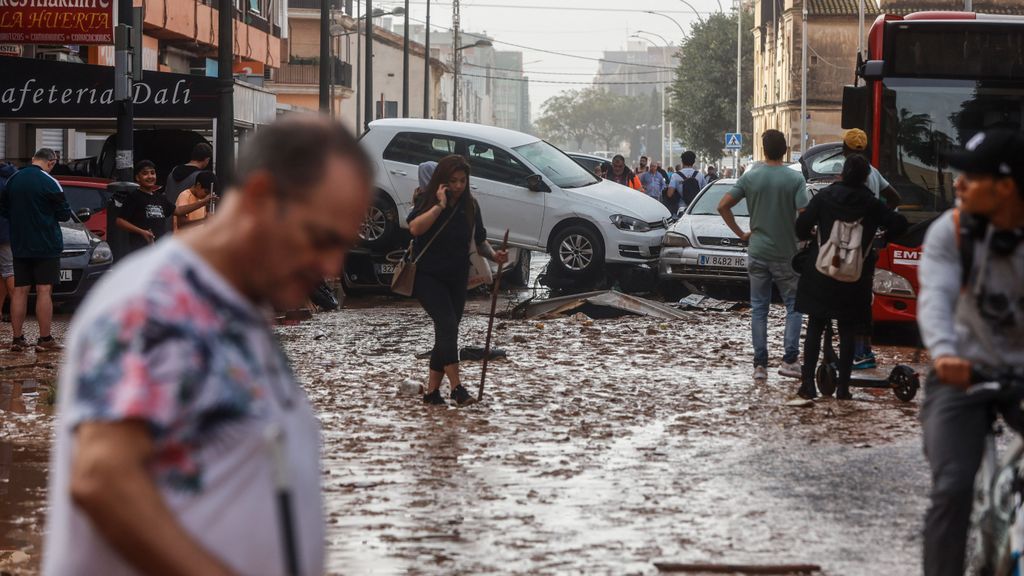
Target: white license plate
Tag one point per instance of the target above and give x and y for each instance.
(722, 261)
(65, 275)
(385, 268)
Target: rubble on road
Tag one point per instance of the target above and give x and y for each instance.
(701, 302)
(597, 305)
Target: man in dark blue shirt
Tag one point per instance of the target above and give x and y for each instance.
(34, 204)
(6, 257)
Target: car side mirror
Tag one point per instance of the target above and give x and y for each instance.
(83, 214)
(535, 183)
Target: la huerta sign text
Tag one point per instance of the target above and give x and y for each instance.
(45, 89)
(57, 21)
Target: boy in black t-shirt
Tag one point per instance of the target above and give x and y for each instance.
(146, 212)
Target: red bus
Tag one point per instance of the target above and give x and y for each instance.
(932, 80)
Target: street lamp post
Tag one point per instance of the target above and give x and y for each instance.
(405, 63)
(368, 64)
(426, 65)
(325, 56)
(361, 122)
(482, 43)
(739, 77)
(665, 154)
(672, 20)
(803, 80)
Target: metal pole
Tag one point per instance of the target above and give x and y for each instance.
(359, 70)
(860, 26)
(325, 54)
(739, 77)
(968, 5)
(458, 59)
(226, 116)
(368, 63)
(405, 64)
(124, 159)
(803, 79)
(426, 65)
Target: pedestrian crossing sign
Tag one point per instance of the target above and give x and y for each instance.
(733, 140)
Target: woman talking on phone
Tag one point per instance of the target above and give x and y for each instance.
(443, 222)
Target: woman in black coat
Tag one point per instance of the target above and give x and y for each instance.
(445, 219)
(824, 299)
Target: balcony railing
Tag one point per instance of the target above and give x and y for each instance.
(310, 74)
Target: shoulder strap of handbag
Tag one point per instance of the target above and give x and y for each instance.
(436, 234)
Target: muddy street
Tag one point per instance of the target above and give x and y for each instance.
(602, 447)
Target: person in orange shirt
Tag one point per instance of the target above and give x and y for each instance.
(621, 174)
(200, 190)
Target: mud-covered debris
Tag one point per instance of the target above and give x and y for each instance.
(737, 568)
(599, 305)
(700, 302)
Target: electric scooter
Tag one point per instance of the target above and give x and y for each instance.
(903, 380)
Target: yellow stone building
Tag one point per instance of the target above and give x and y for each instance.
(832, 55)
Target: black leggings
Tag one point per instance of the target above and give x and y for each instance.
(443, 296)
(812, 348)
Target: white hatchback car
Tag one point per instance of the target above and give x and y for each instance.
(547, 201)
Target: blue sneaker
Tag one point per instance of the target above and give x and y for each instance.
(865, 362)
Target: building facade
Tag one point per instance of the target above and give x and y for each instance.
(511, 92)
(179, 37)
(832, 27)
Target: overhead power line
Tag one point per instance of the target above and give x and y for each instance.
(532, 81)
(630, 73)
(550, 51)
(565, 8)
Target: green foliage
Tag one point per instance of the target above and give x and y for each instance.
(575, 116)
(703, 106)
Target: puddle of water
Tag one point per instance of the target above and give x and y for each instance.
(23, 473)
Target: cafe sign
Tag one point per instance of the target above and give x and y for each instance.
(45, 89)
(57, 21)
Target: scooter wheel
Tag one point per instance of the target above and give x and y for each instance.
(904, 382)
(826, 377)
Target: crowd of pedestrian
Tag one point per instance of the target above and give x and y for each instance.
(186, 445)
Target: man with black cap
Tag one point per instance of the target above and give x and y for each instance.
(971, 315)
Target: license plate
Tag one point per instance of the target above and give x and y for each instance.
(65, 275)
(385, 268)
(722, 261)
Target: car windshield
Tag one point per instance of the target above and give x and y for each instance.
(707, 203)
(79, 197)
(554, 164)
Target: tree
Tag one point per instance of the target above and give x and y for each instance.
(703, 92)
(562, 121)
(574, 116)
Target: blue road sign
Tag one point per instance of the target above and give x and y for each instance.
(733, 140)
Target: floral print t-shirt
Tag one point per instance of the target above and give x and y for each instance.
(165, 341)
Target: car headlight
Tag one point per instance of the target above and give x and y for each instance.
(888, 283)
(630, 224)
(101, 254)
(673, 240)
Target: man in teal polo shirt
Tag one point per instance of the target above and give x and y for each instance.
(774, 194)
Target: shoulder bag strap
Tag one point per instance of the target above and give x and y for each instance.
(436, 234)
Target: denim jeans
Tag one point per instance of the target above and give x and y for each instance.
(762, 274)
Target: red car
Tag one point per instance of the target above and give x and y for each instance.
(87, 192)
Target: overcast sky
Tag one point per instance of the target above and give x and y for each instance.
(578, 27)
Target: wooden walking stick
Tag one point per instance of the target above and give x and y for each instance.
(490, 322)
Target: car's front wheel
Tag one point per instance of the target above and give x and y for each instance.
(380, 224)
(577, 250)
